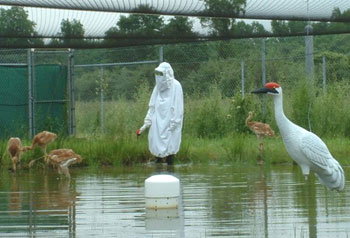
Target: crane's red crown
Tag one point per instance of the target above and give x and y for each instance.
(272, 85)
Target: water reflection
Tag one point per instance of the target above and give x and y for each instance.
(163, 219)
(224, 201)
(36, 204)
(164, 222)
(15, 203)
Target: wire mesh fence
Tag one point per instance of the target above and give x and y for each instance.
(33, 93)
(234, 67)
(104, 87)
(13, 102)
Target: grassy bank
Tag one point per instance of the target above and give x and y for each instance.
(235, 148)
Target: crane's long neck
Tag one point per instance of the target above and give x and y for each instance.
(282, 121)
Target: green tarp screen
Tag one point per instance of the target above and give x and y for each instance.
(49, 91)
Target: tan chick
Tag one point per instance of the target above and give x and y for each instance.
(62, 159)
(14, 148)
(42, 139)
(259, 129)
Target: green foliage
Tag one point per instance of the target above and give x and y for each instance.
(137, 24)
(190, 52)
(222, 26)
(139, 28)
(247, 29)
(179, 24)
(14, 23)
(3, 153)
(118, 82)
(70, 30)
(98, 151)
(201, 80)
(280, 27)
(207, 117)
(201, 150)
(342, 16)
(235, 147)
(125, 81)
(337, 65)
(238, 112)
(330, 115)
(122, 117)
(301, 101)
(140, 24)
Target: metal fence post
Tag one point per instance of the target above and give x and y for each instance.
(30, 94)
(324, 76)
(309, 59)
(102, 102)
(263, 76)
(161, 54)
(71, 88)
(242, 78)
(34, 88)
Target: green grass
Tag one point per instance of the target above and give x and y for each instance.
(232, 149)
(214, 129)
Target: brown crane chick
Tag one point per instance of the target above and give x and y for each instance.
(62, 159)
(42, 139)
(259, 129)
(14, 148)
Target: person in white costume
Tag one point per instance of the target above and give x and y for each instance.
(165, 115)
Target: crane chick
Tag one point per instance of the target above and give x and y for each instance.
(259, 129)
(42, 139)
(14, 148)
(62, 159)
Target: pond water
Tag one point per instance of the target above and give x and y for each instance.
(216, 201)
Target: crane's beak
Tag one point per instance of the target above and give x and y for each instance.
(265, 90)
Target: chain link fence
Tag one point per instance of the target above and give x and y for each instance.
(33, 92)
(13, 88)
(198, 66)
(106, 91)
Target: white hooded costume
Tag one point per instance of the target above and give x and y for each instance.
(165, 113)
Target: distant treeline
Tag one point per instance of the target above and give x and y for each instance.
(16, 29)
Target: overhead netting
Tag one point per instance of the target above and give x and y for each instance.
(115, 23)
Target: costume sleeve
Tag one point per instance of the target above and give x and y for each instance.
(178, 108)
(151, 106)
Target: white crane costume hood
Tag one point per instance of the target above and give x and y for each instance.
(165, 113)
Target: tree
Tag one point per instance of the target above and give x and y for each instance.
(320, 26)
(340, 26)
(179, 26)
(70, 31)
(279, 27)
(338, 15)
(242, 28)
(72, 28)
(140, 24)
(135, 28)
(137, 24)
(16, 29)
(285, 28)
(296, 27)
(337, 65)
(222, 8)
